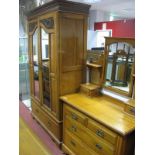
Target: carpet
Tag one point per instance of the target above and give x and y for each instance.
(25, 113)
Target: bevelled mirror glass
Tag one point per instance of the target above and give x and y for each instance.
(45, 67)
(120, 57)
(35, 65)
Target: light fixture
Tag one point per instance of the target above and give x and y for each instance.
(111, 18)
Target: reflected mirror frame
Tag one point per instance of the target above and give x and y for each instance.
(109, 41)
(36, 31)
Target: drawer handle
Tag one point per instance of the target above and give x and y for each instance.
(132, 110)
(100, 133)
(74, 116)
(73, 128)
(72, 143)
(98, 146)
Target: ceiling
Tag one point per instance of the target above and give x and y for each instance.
(118, 8)
(115, 8)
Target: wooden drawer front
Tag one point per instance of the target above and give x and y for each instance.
(75, 145)
(130, 110)
(74, 115)
(36, 110)
(47, 121)
(99, 146)
(102, 132)
(52, 126)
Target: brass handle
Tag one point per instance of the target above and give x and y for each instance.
(74, 116)
(132, 110)
(98, 146)
(72, 143)
(100, 133)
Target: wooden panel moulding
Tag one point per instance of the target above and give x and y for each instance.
(48, 23)
(32, 27)
(72, 68)
(72, 41)
(70, 82)
(110, 40)
(59, 5)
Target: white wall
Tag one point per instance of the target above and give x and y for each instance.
(99, 16)
(96, 16)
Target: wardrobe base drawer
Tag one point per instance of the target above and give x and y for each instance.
(50, 125)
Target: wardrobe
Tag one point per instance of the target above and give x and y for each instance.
(57, 35)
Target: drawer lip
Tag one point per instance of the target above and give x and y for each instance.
(121, 132)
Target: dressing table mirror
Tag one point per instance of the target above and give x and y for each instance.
(118, 73)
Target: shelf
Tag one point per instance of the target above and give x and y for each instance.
(93, 65)
(90, 86)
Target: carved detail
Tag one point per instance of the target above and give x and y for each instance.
(48, 23)
(32, 26)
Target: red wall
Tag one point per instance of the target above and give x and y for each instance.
(120, 28)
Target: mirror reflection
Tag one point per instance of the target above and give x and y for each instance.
(45, 67)
(35, 64)
(119, 65)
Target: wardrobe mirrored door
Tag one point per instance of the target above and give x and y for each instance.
(45, 68)
(36, 65)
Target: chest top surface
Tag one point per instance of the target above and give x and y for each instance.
(102, 110)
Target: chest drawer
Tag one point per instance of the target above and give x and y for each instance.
(130, 110)
(98, 145)
(75, 115)
(76, 145)
(102, 132)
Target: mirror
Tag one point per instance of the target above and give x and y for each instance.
(120, 57)
(35, 65)
(45, 67)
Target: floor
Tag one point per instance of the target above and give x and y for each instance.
(30, 143)
(27, 103)
(35, 133)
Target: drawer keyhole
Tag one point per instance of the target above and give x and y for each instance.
(73, 128)
(99, 146)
